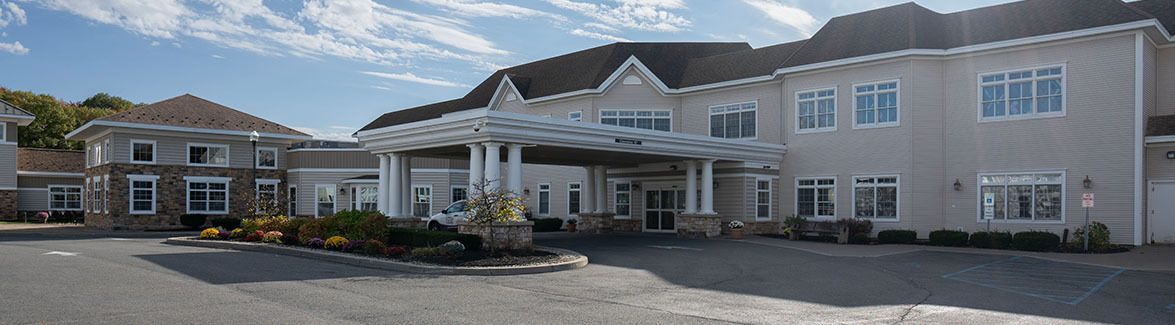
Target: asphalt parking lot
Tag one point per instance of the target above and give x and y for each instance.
(633, 278)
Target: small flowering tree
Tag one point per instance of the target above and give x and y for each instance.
(489, 206)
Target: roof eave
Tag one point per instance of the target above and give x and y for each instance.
(74, 135)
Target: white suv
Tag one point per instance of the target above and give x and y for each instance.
(448, 218)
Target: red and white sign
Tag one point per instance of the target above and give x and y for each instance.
(1087, 200)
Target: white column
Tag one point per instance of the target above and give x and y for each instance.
(707, 187)
(382, 199)
(493, 170)
(406, 187)
(477, 159)
(587, 201)
(601, 188)
(395, 185)
(514, 168)
(691, 187)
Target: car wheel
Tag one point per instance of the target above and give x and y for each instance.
(434, 226)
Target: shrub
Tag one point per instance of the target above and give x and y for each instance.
(547, 224)
(193, 220)
(948, 238)
(395, 251)
(427, 251)
(428, 238)
(358, 224)
(1037, 241)
(371, 227)
(453, 248)
(856, 226)
(794, 221)
(274, 237)
(335, 242)
(238, 233)
(894, 236)
(991, 239)
(226, 222)
(210, 233)
(374, 247)
(312, 229)
(290, 229)
(315, 242)
(254, 236)
(265, 224)
(1099, 237)
(354, 245)
(859, 239)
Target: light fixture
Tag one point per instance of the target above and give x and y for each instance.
(1171, 155)
(715, 184)
(1087, 183)
(958, 185)
(526, 191)
(254, 136)
(673, 167)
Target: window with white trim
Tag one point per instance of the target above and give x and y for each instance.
(3, 132)
(267, 158)
(816, 197)
(324, 199)
(106, 151)
(816, 110)
(421, 201)
(763, 199)
(365, 198)
(623, 199)
(544, 199)
(266, 195)
(65, 198)
(1023, 93)
(207, 196)
(293, 199)
(105, 193)
(875, 197)
(875, 104)
(207, 155)
(733, 121)
(143, 151)
(1033, 197)
(142, 188)
(458, 193)
(575, 116)
(660, 120)
(573, 198)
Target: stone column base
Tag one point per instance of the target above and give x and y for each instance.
(407, 223)
(513, 236)
(698, 225)
(596, 223)
(7, 205)
(626, 225)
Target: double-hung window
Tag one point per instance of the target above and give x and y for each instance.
(816, 110)
(267, 195)
(267, 158)
(763, 199)
(875, 104)
(65, 198)
(324, 199)
(733, 121)
(660, 120)
(207, 195)
(143, 151)
(573, 202)
(816, 197)
(293, 201)
(623, 199)
(207, 155)
(421, 201)
(1028, 197)
(575, 116)
(458, 193)
(365, 198)
(3, 134)
(1027, 93)
(142, 193)
(544, 199)
(875, 197)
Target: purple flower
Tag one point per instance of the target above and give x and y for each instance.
(316, 242)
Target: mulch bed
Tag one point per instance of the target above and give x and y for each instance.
(484, 259)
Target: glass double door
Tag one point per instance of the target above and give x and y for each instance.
(661, 206)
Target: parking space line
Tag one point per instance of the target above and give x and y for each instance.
(1045, 279)
(1099, 285)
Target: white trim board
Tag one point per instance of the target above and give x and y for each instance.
(144, 126)
(48, 174)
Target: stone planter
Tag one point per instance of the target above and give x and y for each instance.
(506, 236)
(736, 233)
(571, 227)
(698, 225)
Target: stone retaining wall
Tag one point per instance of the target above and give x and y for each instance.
(755, 227)
(698, 225)
(506, 236)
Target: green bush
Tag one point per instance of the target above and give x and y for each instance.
(359, 224)
(948, 238)
(193, 220)
(1036, 241)
(226, 222)
(859, 239)
(374, 247)
(429, 238)
(547, 224)
(856, 226)
(1099, 237)
(894, 236)
(991, 239)
(428, 251)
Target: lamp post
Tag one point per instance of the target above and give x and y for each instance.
(253, 137)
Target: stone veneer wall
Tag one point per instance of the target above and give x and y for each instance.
(698, 225)
(756, 227)
(171, 194)
(512, 236)
(407, 223)
(596, 223)
(7, 205)
(626, 225)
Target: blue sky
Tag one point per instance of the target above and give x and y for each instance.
(328, 67)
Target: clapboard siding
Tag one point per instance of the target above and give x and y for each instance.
(173, 150)
(1165, 81)
(32, 199)
(7, 166)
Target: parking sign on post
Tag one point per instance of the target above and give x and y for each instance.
(1086, 202)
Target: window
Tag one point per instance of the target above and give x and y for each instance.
(207, 155)
(1029, 197)
(142, 193)
(573, 198)
(876, 104)
(421, 201)
(733, 121)
(648, 120)
(816, 197)
(105, 193)
(575, 116)
(94, 198)
(324, 197)
(207, 195)
(875, 197)
(816, 110)
(1022, 93)
(143, 151)
(3, 132)
(623, 199)
(544, 199)
(267, 195)
(106, 151)
(365, 198)
(94, 157)
(65, 198)
(267, 158)
(458, 193)
(293, 201)
(763, 199)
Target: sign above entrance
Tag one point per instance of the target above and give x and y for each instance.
(628, 141)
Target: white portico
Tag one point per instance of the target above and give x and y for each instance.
(487, 138)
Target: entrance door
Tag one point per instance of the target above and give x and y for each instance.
(661, 206)
(1161, 203)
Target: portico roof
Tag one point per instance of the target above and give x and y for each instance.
(559, 142)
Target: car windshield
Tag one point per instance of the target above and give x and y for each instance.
(457, 207)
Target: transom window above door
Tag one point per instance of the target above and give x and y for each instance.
(660, 120)
(816, 110)
(1026, 93)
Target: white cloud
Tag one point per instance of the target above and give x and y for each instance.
(410, 77)
(791, 16)
(217, 56)
(155, 18)
(599, 36)
(472, 8)
(645, 15)
(333, 135)
(11, 13)
(14, 48)
(154, 43)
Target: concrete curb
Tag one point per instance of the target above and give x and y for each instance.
(377, 263)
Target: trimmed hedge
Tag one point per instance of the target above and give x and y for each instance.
(991, 239)
(1036, 241)
(948, 238)
(547, 224)
(429, 238)
(193, 220)
(228, 223)
(894, 236)
(859, 239)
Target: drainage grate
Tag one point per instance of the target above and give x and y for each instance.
(1056, 281)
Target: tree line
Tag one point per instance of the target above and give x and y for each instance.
(56, 118)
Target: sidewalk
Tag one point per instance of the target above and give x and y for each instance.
(69, 230)
(1145, 258)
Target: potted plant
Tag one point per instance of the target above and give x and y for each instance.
(792, 227)
(571, 225)
(736, 229)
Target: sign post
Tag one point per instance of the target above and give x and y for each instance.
(1086, 202)
(988, 208)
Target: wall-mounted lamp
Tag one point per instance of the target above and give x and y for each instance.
(1171, 155)
(1087, 183)
(673, 167)
(526, 191)
(636, 186)
(716, 185)
(958, 185)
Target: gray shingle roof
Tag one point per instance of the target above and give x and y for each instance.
(10, 109)
(1163, 10)
(50, 160)
(195, 112)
